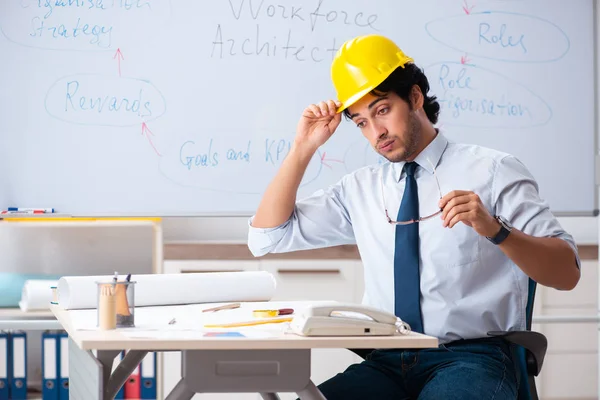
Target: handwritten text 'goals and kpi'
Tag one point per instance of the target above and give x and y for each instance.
(260, 41)
(194, 154)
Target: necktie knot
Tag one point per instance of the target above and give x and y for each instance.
(410, 168)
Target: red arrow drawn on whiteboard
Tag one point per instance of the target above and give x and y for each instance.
(119, 56)
(464, 59)
(324, 160)
(467, 8)
(147, 132)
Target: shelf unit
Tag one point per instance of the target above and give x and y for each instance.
(87, 222)
(16, 319)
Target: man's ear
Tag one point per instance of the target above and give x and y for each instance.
(416, 98)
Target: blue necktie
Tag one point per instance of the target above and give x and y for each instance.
(406, 256)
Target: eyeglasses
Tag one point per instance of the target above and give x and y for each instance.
(412, 221)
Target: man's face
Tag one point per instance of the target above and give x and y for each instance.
(392, 128)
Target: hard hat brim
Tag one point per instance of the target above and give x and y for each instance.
(360, 94)
(353, 99)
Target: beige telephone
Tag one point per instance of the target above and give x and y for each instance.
(347, 320)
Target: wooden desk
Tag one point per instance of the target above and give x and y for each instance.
(265, 365)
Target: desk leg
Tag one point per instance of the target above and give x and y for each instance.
(106, 358)
(115, 380)
(180, 392)
(270, 396)
(91, 377)
(311, 392)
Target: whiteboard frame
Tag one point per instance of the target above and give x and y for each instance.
(596, 210)
(596, 79)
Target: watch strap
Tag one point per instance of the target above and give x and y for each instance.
(500, 236)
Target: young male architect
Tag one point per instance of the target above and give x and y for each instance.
(456, 275)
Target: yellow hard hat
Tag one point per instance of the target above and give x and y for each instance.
(361, 64)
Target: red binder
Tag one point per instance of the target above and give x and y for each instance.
(132, 388)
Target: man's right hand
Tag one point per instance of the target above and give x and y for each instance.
(317, 124)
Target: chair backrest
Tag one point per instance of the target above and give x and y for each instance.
(524, 389)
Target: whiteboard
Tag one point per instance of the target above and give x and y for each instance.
(185, 108)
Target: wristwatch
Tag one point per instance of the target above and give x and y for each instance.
(505, 228)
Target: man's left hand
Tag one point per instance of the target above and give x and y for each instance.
(466, 207)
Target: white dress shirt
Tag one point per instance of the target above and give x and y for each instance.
(468, 285)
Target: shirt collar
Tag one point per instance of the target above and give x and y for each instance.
(432, 153)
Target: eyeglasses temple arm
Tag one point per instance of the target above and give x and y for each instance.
(435, 176)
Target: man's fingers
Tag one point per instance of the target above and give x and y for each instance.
(450, 196)
(335, 122)
(331, 107)
(454, 211)
(316, 111)
(453, 203)
(324, 108)
(460, 217)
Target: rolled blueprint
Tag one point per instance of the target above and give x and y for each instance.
(79, 292)
(36, 294)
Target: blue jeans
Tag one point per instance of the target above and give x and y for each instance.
(479, 369)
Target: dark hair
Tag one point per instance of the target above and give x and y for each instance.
(401, 81)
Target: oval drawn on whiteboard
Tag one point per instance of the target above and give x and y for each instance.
(472, 96)
(93, 25)
(223, 162)
(501, 36)
(103, 100)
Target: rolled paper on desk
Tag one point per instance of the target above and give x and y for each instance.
(36, 294)
(12, 283)
(78, 292)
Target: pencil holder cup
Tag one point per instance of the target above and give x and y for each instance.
(125, 304)
(116, 304)
(106, 306)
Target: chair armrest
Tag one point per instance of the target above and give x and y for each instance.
(534, 343)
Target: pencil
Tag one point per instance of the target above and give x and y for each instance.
(225, 307)
(248, 323)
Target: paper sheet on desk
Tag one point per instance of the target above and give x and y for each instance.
(187, 317)
(146, 318)
(197, 335)
(80, 292)
(153, 322)
(244, 313)
(191, 321)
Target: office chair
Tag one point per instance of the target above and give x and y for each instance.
(530, 351)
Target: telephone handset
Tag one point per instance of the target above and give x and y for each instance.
(347, 320)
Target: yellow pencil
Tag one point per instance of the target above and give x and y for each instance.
(248, 323)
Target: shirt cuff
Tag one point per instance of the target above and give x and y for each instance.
(264, 240)
(569, 240)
